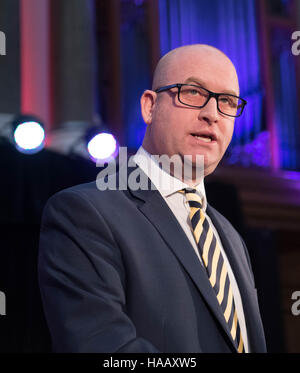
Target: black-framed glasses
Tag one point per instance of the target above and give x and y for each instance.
(196, 96)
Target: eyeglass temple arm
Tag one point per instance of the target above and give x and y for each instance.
(167, 87)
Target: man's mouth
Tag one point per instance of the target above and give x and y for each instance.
(204, 137)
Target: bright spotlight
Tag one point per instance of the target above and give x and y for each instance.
(29, 135)
(102, 146)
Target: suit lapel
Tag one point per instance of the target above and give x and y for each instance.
(240, 267)
(159, 214)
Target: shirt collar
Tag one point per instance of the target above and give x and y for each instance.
(165, 183)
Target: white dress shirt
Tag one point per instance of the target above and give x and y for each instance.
(169, 186)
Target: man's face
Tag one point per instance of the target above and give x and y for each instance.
(179, 129)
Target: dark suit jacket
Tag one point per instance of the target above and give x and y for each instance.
(118, 274)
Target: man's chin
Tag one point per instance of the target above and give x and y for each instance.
(210, 168)
(206, 161)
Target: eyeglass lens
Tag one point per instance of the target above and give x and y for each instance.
(197, 96)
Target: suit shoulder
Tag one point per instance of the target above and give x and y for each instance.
(85, 188)
(80, 189)
(88, 192)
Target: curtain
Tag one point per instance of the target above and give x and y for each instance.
(286, 110)
(134, 68)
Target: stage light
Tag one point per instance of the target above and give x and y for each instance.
(28, 134)
(90, 141)
(102, 146)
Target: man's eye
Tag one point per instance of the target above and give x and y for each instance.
(197, 92)
(193, 92)
(225, 100)
(228, 101)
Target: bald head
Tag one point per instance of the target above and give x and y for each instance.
(202, 56)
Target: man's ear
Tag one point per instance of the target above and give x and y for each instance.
(148, 100)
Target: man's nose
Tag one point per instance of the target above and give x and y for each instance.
(209, 112)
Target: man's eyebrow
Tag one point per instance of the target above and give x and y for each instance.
(202, 84)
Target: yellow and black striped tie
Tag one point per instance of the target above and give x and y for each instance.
(215, 265)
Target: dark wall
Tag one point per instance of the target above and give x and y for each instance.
(27, 181)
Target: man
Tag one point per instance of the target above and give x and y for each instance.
(156, 270)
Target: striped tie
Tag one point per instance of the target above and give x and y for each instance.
(215, 265)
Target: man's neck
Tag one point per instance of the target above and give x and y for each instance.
(179, 167)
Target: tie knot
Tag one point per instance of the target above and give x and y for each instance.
(193, 197)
